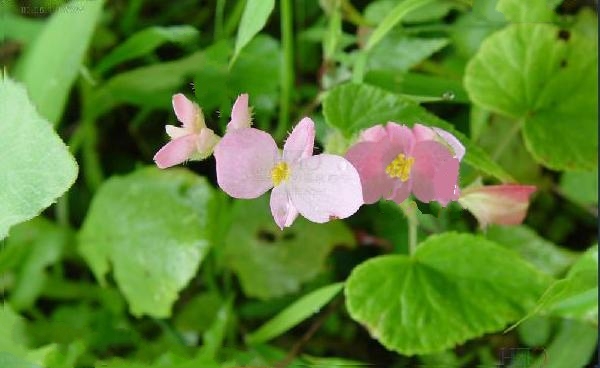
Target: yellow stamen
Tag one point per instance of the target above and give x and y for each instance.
(280, 173)
(400, 167)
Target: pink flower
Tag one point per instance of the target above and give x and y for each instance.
(240, 114)
(318, 187)
(192, 141)
(394, 161)
(504, 204)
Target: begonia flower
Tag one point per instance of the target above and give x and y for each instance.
(394, 161)
(192, 141)
(319, 187)
(504, 204)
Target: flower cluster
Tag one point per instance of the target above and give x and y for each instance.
(388, 162)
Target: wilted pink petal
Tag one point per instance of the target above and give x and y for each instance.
(240, 114)
(459, 149)
(245, 159)
(425, 133)
(176, 151)
(504, 204)
(370, 160)
(323, 187)
(187, 112)
(282, 209)
(300, 142)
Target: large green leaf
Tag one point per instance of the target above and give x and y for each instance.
(270, 262)
(352, 107)
(294, 314)
(526, 11)
(36, 166)
(255, 16)
(537, 74)
(145, 41)
(455, 287)
(154, 227)
(580, 187)
(51, 64)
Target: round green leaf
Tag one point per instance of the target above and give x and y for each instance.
(456, 287)
(547, 78)
(36, 166)
(270, 262)
(153, 226)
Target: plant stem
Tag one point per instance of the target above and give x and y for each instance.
(507, 139)
(287, 68)
(409, 208)
(219, 19)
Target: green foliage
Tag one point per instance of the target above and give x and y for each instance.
(154, 228)
(38, 169)
(286, 259)
(256, 14)
(534, 73)
(294, 314)
(456, 287)
(145, 41)
(53, 61)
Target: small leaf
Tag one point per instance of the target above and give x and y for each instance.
(300, 310)
(545, 77)
(36, 166)
(51, 64)
(146, 41)
(256, 14)
(351, 108)
(456, 287)
(397, 52)
(287, 258)
(154, 228)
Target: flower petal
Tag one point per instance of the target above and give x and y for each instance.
(245, 158)
(282, 209)
(373, 134)
(401, 191)
(434, 173)
(324, 187)
(176, 151)
(300, 142)
(370, 160)
(207, 140)
(175, 132)
(457, 147)
(240, 114)
(401, 136)
(498, 204)
(187, 112)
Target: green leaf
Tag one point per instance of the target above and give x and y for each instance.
(145, 41)
(456, 287)
(21, 29)
(526, 11)
(573, 346)
(36, 165)
(376, 11)
(352, 107)
(575, 296)
(530, 72)
(42, 244)
(398, 52)
(392, 19)
(545, 255)
(154, 227)
(287, 258)
(294, 314)
(212, 339)
(51, 64)
(580, 187)
(255, 16)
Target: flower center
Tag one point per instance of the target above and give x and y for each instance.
(400, 167)
(281, 172)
